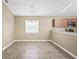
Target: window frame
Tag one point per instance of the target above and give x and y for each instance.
(31, 32)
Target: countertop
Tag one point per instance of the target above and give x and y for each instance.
(63, 31)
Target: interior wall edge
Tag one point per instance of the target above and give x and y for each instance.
(7, 25)
(74, 56)
(3, 2)
(8, 45)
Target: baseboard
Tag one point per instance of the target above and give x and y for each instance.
(8, 45)
(42, 40)
(32, 40)
(20, 40)
(64, 49)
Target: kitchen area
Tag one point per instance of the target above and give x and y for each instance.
(68, 25)
(64, 34)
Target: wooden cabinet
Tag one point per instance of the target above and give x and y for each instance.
(62, 23)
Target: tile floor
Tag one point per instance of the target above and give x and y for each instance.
(34, 50)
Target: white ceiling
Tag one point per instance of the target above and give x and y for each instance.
(42, 7)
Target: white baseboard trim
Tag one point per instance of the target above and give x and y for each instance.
(8, 45)
(20, 40)
(64, 49)
(32, 40)
(42, 40)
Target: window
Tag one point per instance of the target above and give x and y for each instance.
(31, 26)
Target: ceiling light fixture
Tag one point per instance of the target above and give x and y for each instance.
(31, 6)
(66, 8)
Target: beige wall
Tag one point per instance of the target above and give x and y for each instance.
(7, 26)
(67, 41)
(45, 26)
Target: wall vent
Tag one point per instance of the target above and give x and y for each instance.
(6, 1)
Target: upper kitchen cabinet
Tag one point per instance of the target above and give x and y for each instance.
(63, 22)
